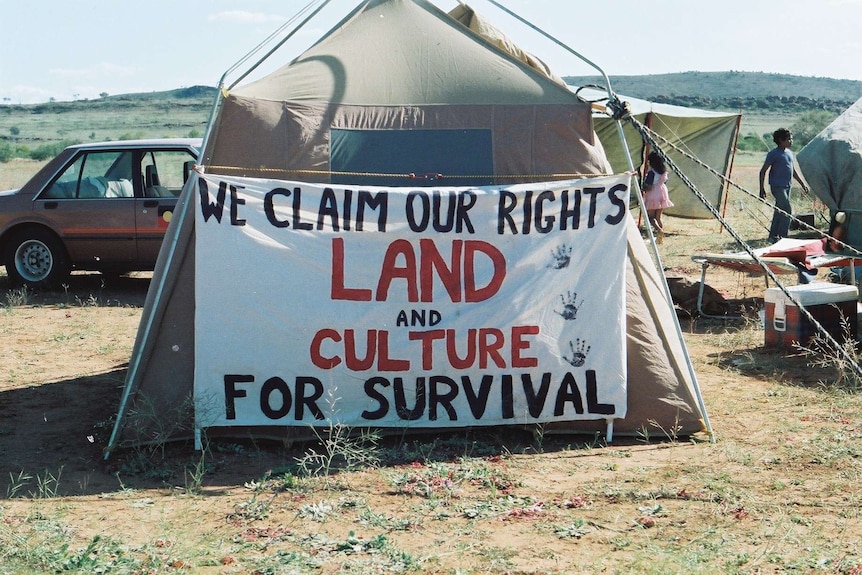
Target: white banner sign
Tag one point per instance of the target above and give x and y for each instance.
(409, 307)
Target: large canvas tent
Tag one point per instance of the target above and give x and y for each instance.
(396, 90)
(832, 166)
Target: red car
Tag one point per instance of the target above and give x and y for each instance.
(101, 207)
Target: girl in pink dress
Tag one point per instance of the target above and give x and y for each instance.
(655, 192)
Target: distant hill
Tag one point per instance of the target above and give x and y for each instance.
(193, 95)
(736, 90)
(191, 92)
(730, 91)
(31, 130)
(183, 112)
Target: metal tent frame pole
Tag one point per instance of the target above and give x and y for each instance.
(620, 110)
(148, 322)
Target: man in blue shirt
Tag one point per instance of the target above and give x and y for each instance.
(779, 163)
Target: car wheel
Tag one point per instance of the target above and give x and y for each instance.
(36, 258)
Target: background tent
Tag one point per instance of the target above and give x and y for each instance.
(832, 165)
(375, 99)
(702, 134)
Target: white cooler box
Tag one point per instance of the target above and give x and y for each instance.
(826, 302)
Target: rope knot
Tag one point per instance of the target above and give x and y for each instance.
(619, 108)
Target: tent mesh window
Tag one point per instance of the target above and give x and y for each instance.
(461, 157)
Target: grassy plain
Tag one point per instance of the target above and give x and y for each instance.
(779, 491)
(104, 120)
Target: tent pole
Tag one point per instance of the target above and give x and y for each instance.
(220, 90)
(666, 288)
(269, 39)
(620, 110)
(725, 191)
(277, 46)
(149, 320)
(559, 43)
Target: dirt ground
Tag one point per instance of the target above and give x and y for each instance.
(778, 491)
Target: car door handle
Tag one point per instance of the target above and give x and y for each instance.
(51, 205)
(151, 203)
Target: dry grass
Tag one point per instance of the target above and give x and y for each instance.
(778, 492)
(16, 172)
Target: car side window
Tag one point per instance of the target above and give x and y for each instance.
(95, 175)
(106, 175)
(66, 184)
(164, 172)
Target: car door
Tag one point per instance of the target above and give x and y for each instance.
(92, 206)
(163, 174)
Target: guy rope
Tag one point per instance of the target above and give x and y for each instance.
(652, 138)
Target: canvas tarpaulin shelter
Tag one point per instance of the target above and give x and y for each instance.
(704, 138)
(397, 94)
(832, 165)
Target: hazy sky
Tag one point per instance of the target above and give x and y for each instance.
(73, 50)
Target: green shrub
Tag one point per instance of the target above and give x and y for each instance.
(751, 142)
(808, 125)
(9, 151)
(46, 151)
